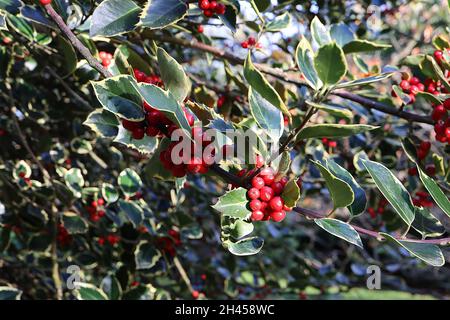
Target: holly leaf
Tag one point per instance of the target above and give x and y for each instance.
(319, 32)
(74, 181)
(246, 247)
(304, 57)
(133, 211)
(74, 223)
(340, 229)
(233, 204)
(341, 193)
(436, 193)
(363, 46)
(429, 253)
(146, 255)
(173, 75)
(114, 17)
(330, 63)
(159, 14)
(259, 83)
(129, 182)
(109, 193)
(392, 189)
(86, 291)
(291, 193)
(329, 130)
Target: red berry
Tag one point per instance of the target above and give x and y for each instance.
(208, 13)
(277, 187)
(257, 215)
(220, 9)
(45, 2)
(255, 205)
(278, 216)
(412, 171)
(447, 104)
(253, 193)
(404, 84)
(194, 165)
(242, 172)
(101, 241)
(276, 204)
(100, 202)
(421, 87)
(138, 133)
(414, 81)
(244, 44)
(213, 5)
(195, 294)
(285, 180)
(101, 213)
(179, 171)
(200, 29)
(438, 55)
(438, 112)
(204, 4)
(447, 133)
(251, 41)
(259, 161)
(130, 125)
(414, 89)
(425, 145)
(152, 131)
(439, 127)
(268, 179)
(421, 154)
(266, 193)
(258, 182)
(430, 169)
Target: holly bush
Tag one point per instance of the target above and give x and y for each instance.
(223, 149)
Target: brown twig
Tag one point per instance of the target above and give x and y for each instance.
(75, 42)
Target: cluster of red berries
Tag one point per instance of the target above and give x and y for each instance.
(45, 2)
(411, 87)
(63, 237)
(382, 203)
(442, 122)
(155, 122)
(250, 43)
(168, 243)
(264, 197)
(96, 210)
(106, 58)
(329, 143)
(210, 8)
(195, 164)
(112, 239)
(422, 199)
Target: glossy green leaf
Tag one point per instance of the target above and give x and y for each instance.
(74, 223)
(21, 170)
(319, 32)
(259, 83)
(10, 6)
(304, 56)
(340, 229)
(10, 293)
(74, 181)
(365, 81)
(341, 192)
(111, 286)
(103, 122)
(165, 102)
(246, 247)
(129, 182)
(119, 96)
(436, 193)
(291, 193)
(240, 229)
(133, 211)
(341, 34)
(279, 23)
(429, 253)
(266, 115)
(113, 17)
(162, 13)
(109, 193)
(173, 75)
(333, 130)
(392, 189)
(21, 26)
(233, 204)
(146, 145)
(359, 204)
(134, 59)
(330, 63)
(335, 111)
(426, 224)
(146, 255)
(69, 54)
(363, 46)
(86, 291)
